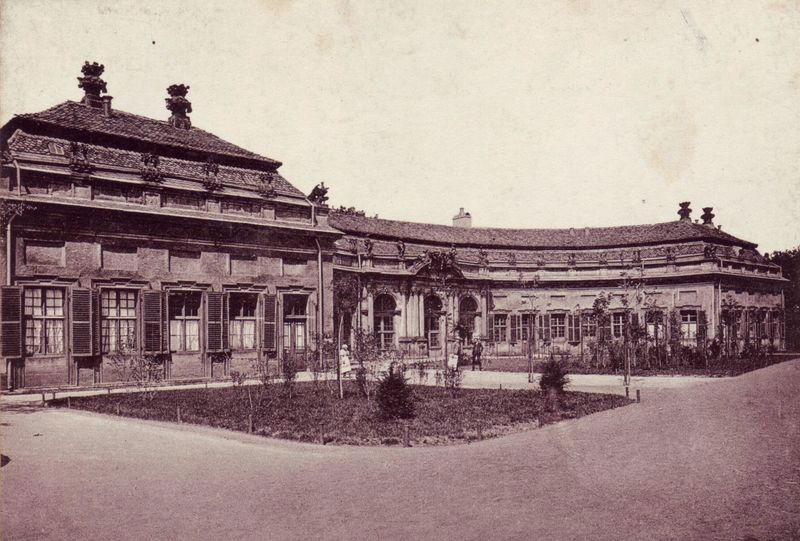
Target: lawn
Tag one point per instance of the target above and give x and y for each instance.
(313, 414)
(733, 367)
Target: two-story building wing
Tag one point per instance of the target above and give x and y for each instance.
(124, 233)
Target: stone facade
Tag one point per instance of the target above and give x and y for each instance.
(152, 238)
(127, 235)
(534, 291)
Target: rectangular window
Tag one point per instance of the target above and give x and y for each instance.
(242, 323)
(118, 316)
(688, 326)
(618, 325)
(500, 322)
(184, 321)
(558, 325)
(384, 329)
(589, 326)
(574, 328)
(44, 321)
(527, 326)
(516, 328)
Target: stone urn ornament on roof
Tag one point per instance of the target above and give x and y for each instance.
(179, 106)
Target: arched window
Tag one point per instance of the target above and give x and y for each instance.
(433, 311)
(467, 312)
(384, 309)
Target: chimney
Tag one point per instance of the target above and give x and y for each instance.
(107, 105)
(179, 106)
(708, 217)
(93, 85)
(685, 212)
(462, 219)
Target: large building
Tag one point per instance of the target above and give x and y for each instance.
(534, 290)
(151, 235)
(125, 233)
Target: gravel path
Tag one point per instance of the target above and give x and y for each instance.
(715, 460)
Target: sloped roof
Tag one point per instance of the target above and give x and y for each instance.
(590, 237)
(77, 116)
(102, 155)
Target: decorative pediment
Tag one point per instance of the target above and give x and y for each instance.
(437, 264)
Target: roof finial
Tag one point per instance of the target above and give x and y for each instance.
(92, 84)
(685, 212)
(179, 105)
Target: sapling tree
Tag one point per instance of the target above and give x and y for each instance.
(346, 297)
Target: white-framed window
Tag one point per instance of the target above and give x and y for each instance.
(558, 325)
(589, 325)
(499, 326)
(118, 319)
(527, 326)
(242, 320)
(384, 320)
(44, 321)
(184, 321)
(433, 310)
(618, 325)
(688, 326)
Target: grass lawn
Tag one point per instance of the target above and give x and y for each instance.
(729, 368)
(441, 418)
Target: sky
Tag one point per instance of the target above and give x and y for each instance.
(527, 114)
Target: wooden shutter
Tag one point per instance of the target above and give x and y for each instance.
(313, 338)
(491, 327)
(546, 326)
(702, 327)
(152, 317)
(10, 321)
(96, 325)
(269, 322)
(213, 321)
(515, 327)
(226, 317)
(80, 312)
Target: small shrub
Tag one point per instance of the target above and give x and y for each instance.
(394, 396)
(289, 369)
(554, 376)
(453, 378)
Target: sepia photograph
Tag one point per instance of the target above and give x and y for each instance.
(412, 270)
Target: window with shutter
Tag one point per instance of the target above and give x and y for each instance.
(573, 328)
(152, 316)
(214, 321)
(269, 322)
(81, 319)
(10, 321)
(516, 331)
(546, 327)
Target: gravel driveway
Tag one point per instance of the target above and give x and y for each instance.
(714, 460)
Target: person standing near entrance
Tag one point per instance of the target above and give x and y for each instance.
(477, 350)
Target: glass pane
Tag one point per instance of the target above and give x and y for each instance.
(33, 302)
(235, 334)
(127, 334)
(192, 335)
(248, 334)
(175, 335)
(287, 333)
(300, 335)
(54, 302)
(33, 334)
(54, 336)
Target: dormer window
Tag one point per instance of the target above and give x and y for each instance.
(55, 149)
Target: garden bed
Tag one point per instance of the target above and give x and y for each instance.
(313, 414)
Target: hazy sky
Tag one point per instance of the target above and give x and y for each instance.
(528, 114)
